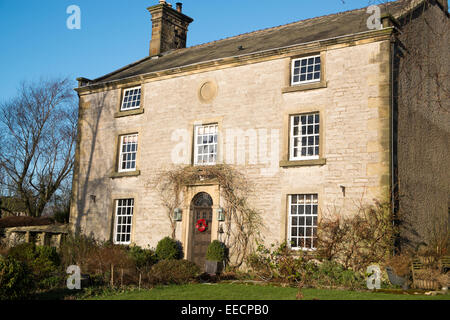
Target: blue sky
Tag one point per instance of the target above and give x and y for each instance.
(36, 42)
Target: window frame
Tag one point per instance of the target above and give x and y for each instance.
(313, 226)
(124, 92)
(292, 83)
(121, 153)
(196, 145)
(126, 224)
(300, 136)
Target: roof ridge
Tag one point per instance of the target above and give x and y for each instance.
(281, 26)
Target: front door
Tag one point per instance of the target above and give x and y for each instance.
(202, 209)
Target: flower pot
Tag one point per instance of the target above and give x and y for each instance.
(426, 284)
(213, 267)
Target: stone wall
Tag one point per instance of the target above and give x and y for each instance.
(423, 134)
(40, 235)
(354, 110)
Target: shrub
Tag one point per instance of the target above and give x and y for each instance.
(24, 252)
(400, 264)
(77, 249)
(42, 261)
(168, 249)
(3, 250)
(333, 274)
(283, 265)
(173, 272)
(360, 239)
(142, 258)
(97, 259)
(16, 282)
(216, 251)
(278, 263)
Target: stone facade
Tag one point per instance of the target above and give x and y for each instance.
(249, 97)
(354, 107)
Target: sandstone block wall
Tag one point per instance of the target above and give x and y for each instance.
(354, 111)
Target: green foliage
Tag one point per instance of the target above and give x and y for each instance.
(42, 261)
(216, 251)
(24, 252)
(16, 282)
(281, 264)
(168, 249)
(173, 272)
(333, 274)
(142, 258)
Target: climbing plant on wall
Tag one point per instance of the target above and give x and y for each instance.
(242, 222)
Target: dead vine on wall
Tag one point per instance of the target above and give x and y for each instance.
(242, 222)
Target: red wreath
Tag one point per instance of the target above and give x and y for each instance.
(201, 225)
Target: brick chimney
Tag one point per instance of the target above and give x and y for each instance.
(169, 27)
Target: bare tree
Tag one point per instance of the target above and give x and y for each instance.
(38, 141)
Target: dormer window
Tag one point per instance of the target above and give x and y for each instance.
(306, 70)
(131, 99)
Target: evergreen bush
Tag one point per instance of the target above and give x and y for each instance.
(143, 258)
(173, 272)
(16, 282)
(168, 249)
(42, 261)
(216, 251)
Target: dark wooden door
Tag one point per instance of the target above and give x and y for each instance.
(201, 240)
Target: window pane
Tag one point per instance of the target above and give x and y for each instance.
(309, 135)
(124, 213)
(131, 99)
(206, 144)
(128, 153)
(304, 228)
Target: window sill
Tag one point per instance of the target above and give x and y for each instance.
(117, 175)
(303, 163)
(135, 112)
(304, 87)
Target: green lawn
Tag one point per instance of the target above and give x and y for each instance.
(254, 292)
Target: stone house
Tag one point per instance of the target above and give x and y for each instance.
(311, 112)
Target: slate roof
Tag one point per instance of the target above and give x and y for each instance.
(320, 28)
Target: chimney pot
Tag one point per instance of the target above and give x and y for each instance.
(162, 1)
(179, 7)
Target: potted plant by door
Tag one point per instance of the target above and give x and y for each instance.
(215, 257)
